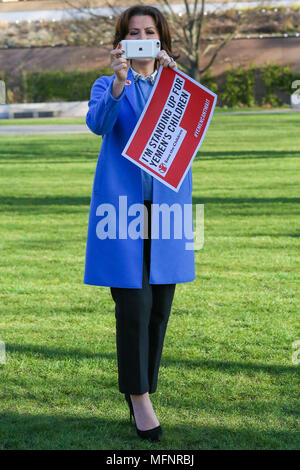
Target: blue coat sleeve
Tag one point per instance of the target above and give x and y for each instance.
(103, 107)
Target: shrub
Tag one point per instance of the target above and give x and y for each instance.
(239, 87)
(276, 78)
(60, 85)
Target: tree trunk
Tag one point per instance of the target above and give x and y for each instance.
(193, 69)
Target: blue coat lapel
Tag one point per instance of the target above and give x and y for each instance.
(130, 91)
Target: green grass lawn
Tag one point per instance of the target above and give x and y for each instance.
(41, 121)
(227, 379)
(81, 120)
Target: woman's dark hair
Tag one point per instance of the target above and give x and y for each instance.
(122, 26)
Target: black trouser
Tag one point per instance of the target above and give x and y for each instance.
(141, 321)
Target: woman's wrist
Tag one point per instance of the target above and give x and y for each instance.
(117, 88)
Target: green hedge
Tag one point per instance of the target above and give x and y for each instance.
(270, 84)
(57, 85)
(280, 79)
(267, 85)
(60, 85)
(239, 87)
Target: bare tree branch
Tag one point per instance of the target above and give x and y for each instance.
(219, 48)
(167, 3)
(188, 29)
(187, 7)
(195, 7)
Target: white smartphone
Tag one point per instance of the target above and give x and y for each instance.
(140, 48)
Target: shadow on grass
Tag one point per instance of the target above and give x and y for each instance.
(45, 244)
(36, 161)
(53, 148)
(230, 367)
(45, 352)
(244, 200)
(28, 431)
(46, 151)
(21, 202)
(275, 235)
(246, 155)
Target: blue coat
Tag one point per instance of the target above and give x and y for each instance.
(117, 262)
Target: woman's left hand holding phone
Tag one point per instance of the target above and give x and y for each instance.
(120, 66)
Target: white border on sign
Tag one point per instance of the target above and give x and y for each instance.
(124, 154)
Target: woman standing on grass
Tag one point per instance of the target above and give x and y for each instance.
(143, 291)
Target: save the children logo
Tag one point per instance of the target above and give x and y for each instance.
(162, 168)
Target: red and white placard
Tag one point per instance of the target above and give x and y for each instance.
(171, 127)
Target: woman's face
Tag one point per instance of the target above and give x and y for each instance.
(142, 27)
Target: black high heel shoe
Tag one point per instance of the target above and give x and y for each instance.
(153, 434)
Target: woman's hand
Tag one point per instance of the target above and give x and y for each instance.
(165, 60)
(119, 65)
